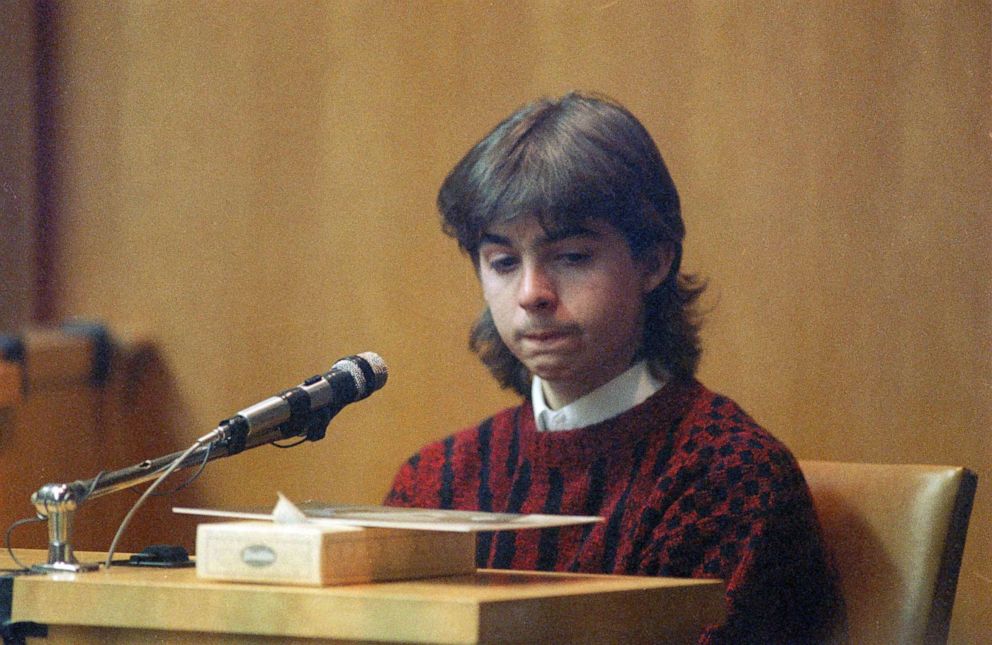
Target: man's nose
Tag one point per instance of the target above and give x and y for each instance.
(537, 289)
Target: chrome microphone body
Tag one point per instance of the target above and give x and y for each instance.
(307, 408)
(350, 379)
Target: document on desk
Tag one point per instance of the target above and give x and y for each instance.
(423, 519)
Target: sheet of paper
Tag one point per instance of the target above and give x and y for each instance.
(423, 519)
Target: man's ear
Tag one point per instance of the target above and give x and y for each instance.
(657, 264)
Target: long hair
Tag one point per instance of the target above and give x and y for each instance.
(566, 161)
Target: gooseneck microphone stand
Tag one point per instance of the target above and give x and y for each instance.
(303, 411)
(59, 502)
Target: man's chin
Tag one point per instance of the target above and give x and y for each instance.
(552, 372)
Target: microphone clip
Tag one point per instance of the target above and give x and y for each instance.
(235, 435)
(316, 424)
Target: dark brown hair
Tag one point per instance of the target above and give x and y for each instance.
(567, 161)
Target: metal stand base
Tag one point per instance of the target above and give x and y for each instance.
(65, 567)
(58, 503)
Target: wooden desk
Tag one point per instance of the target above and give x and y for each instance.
(144, 605)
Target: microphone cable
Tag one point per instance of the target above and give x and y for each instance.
(207, 438)
(10, 529)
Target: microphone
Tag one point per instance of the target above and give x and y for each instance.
(304, 410)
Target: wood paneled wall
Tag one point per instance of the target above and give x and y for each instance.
(17, 163)
(252, 184)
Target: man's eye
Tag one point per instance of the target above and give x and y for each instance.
(502, 263)
(574, 257)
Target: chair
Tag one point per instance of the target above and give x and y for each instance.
(897, 533)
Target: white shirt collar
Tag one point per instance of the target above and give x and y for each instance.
(607, 401)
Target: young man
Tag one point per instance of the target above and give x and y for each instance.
(573, 224)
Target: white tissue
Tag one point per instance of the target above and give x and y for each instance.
(286, 512)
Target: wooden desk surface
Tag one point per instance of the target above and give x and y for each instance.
(147, 605)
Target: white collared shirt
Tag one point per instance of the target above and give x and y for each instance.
(619, 395)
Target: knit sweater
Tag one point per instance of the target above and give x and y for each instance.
(688, 485)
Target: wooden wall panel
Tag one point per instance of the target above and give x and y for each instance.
(17, 163)
(252, 185)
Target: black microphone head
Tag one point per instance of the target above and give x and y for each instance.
(368, 371)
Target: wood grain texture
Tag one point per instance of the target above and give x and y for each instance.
(488, 606)
(11, 384)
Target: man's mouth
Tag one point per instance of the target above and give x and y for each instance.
(546, 335)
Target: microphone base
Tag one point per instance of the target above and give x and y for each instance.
(65, 567)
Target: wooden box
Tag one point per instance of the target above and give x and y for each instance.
(310, 554)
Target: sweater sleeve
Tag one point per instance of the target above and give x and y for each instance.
(753, 526)
(404, 490)
(426, 480)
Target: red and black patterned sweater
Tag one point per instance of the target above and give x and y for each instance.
(688, 485)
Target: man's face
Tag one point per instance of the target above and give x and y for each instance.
(568, 303)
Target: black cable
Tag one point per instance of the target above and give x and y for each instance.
(10, 529)
(289, 445)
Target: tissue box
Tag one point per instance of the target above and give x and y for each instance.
(311, 554)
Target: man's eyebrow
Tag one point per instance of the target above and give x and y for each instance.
(550, 237)
(492, 238)
(568, 232)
